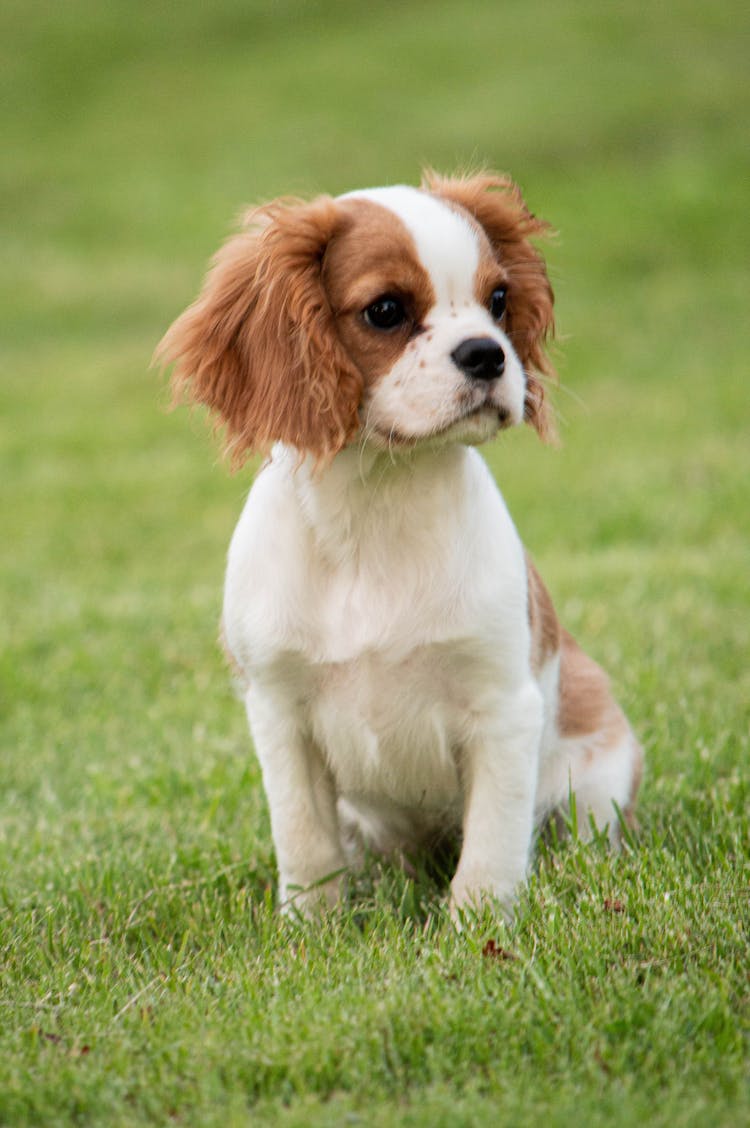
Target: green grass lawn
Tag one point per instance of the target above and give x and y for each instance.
(144, 975)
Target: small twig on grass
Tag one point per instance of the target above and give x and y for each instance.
(134, 999)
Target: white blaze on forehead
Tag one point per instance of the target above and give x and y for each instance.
(446, 243)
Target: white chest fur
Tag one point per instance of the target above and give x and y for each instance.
(391, 728)
(380, 627)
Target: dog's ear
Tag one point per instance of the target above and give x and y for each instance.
(259, 345)
(496, 203)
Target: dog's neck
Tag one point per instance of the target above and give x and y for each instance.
(369, 501)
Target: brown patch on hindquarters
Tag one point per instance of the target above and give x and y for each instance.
(585, 701)
(586, 707)
(545, 627)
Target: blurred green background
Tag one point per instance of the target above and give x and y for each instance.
(132, 136)
(134, 133)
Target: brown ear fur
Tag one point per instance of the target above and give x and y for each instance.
(259, 346)
(497, 204)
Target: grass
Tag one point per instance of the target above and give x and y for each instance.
(144, 976)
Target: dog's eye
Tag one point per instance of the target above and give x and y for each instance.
(386, 312)
(498, 302)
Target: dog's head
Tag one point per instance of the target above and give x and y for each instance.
(394, 316)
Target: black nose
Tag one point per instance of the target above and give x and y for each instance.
(479, 358)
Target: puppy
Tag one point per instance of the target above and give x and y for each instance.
(405, 674)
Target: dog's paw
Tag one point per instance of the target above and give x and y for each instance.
(472, 893)
(312, 900)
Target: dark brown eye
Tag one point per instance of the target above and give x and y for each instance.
(498, 302)
(386, 312)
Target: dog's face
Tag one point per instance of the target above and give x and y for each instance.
(395, 317)
(420, 301)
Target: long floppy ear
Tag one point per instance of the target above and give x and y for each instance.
(259, 346)
(497, 204)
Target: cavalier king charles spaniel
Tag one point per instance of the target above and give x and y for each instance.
(405, 675)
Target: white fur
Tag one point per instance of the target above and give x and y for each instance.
(387, 658)
(422, 392)
(378, 613)
(445, 241)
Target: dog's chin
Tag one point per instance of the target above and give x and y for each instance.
(479, 426)
(472, 429)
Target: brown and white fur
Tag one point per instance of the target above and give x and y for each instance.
(404, 670)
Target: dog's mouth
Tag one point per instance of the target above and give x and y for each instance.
(474, 425)
(502, 414)
(479, 424)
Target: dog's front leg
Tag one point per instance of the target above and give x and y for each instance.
(302, 803)
(499, 771)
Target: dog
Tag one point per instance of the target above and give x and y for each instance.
(405, 675)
